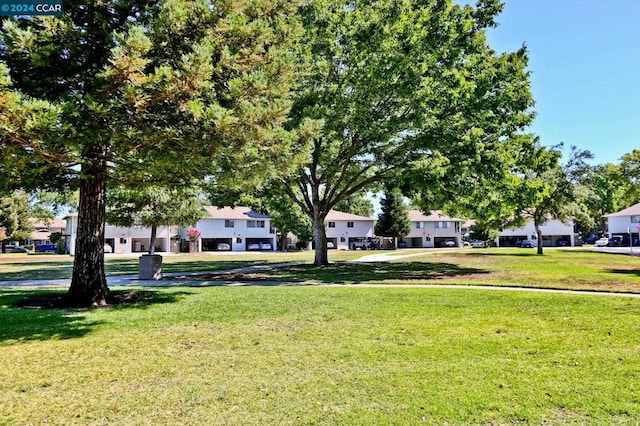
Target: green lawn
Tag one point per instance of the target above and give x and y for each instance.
(21, 267)
(324, 355)
(558, 269)
(303, 355)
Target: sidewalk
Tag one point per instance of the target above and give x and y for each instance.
(132, 280)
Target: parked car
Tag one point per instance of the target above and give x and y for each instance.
(15, 249)
(528, 244)
(108, 248)
(402, 244)
(602, 242)
(563, 243)
(45, 247)
(591, 240)
(253, 246)
(478, 244)
(617, 241)
(448, 243)
(330, 245)
(265, 246)
(223, 247)
(362, 244)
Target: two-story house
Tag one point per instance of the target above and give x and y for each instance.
(554, 234)
(42, 230)
(344, 229)
(625, 222)
(235, 229)
(119, 239)
(433, 230)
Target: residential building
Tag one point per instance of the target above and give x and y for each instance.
(42, 230)
(343, 229)
(433, 230)
(625, 224)
(235, 229)
(118, 239)
(554, 233)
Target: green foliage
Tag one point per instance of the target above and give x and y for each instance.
(357, 204)
(629, 170)
(393, 221)
(117, 90)
(483, 232)
(153, 205)
(401, 90)
(15, 215)
(550, 190)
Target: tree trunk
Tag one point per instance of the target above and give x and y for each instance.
(88, 282)
(539, 235)
(320, 239)
(152, 240)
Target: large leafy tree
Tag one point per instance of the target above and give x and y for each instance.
(154, 206)
(550, 189)
(400, 85)
(114, 89)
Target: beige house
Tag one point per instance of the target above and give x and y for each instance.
(433, 230)
(42, 230)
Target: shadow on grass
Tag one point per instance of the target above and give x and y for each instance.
(29, 315)
(343, 273)
(632, 272)
(524, 253)
(38, 271)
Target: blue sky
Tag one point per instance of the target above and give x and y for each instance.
(584, 58)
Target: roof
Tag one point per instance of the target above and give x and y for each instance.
(335, 215)
(237, 212)
(48, 224)
(434, 216)
(629, 211)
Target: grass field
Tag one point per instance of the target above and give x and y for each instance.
(557, 269)
(306, 355)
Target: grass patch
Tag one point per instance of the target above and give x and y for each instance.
(61, 266)
(557, 269)
(319, 355)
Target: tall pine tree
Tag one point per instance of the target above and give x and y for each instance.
(393, 221)
(114, 89)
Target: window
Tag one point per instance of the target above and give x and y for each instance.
(332, 225)
(635, 219)
(457, 226)
(349, 224)
(228, 223)
(255, 224)
(419, 225)
(443, 225)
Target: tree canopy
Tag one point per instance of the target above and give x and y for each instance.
(153, 206)
(393, 220)
(115, 90)
(401, 90)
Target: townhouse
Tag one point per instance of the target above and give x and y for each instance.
(555, 233)
(625, 224)
(345, 229)
(233, 229)
(433, 230)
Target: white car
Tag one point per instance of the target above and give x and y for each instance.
(223, 247)
(253, 246)
(602, 242)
